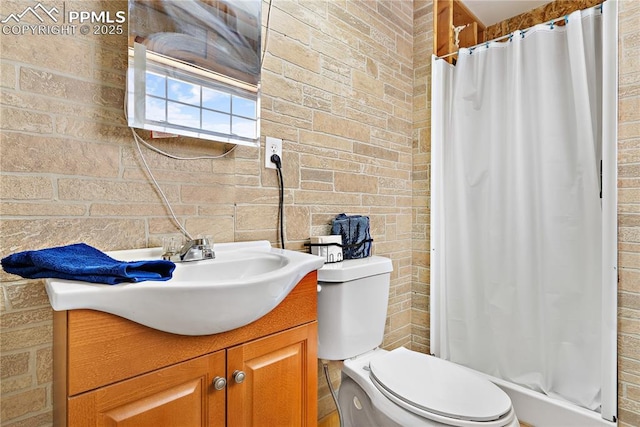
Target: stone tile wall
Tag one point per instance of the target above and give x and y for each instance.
(422, 51)
(337, 87)
(628, 213)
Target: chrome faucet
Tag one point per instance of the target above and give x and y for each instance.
(193, 250)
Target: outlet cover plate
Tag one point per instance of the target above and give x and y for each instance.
(272, 146)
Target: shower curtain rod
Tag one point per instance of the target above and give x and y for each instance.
(510, 35)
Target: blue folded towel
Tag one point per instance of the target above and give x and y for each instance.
(83, 262)
(356, 238)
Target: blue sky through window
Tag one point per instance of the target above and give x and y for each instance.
(191, 105)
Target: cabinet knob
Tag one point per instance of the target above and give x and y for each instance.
(219, 383)
(239, 376)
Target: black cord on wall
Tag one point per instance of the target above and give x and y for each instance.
(276, 160)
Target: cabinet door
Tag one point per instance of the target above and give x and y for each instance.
(181, 395)
(280, 383)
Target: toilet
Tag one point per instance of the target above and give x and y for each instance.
(399, 387)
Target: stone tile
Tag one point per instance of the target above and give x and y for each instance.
(13, 365)
(629, 367)
(71, 89)
(135, 209)
(330, 164)
(24, 338)
(629, 280)
(31, 153)
(290, 109)
(337, 71)
(39, 420)
(59, 107)
(20, 404)
(323, 122)
(164, 225)
(20, 318)
(44, 365)
(628, 130)
(364, 82)
(350, 183)
(7, 75)
(3, 300)
(326, 141)
(255, 217)
(271, 235)
(104, 233)
(294, 53)
(113, 60)
(324, 198)
(279, 87)
(297, 222)
(629, 300)
(26, 121)
(28, 295)
(626, 416)
(289, 25)
(14, 384)
(89, 130)
(103, 190)
(25, 187)
(316, 175)
(629, 109)
(221, 228)
(208, 194)
(69, 55)
(43, 209)
(316, 186)
(259, 196)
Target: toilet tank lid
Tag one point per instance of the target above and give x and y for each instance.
(353, 269)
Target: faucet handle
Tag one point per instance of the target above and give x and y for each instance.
(171, 245)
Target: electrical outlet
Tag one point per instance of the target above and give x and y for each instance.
(271, 147)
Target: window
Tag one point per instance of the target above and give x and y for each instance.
(177, 100)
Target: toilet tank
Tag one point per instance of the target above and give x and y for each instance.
(352, 306)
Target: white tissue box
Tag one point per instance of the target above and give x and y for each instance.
(330, 252)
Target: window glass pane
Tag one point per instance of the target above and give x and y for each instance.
(183, 115)
(155, 109)
(183, 92)
(216, 122)
(216, 100)
(243, 127)
(244, 107)
(156, 85)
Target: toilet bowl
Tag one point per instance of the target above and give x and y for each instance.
(404, 397)
(399, 387)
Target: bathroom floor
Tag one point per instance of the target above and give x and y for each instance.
(332, 420)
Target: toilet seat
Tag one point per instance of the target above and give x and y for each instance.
(439, 390)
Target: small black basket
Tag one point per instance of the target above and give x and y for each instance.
(329, 257)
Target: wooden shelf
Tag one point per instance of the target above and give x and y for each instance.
(453, 13)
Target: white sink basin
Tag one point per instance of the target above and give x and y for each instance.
(243, 283)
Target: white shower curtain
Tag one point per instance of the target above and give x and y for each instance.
(516, 235)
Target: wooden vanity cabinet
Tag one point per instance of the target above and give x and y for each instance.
(109, 371)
